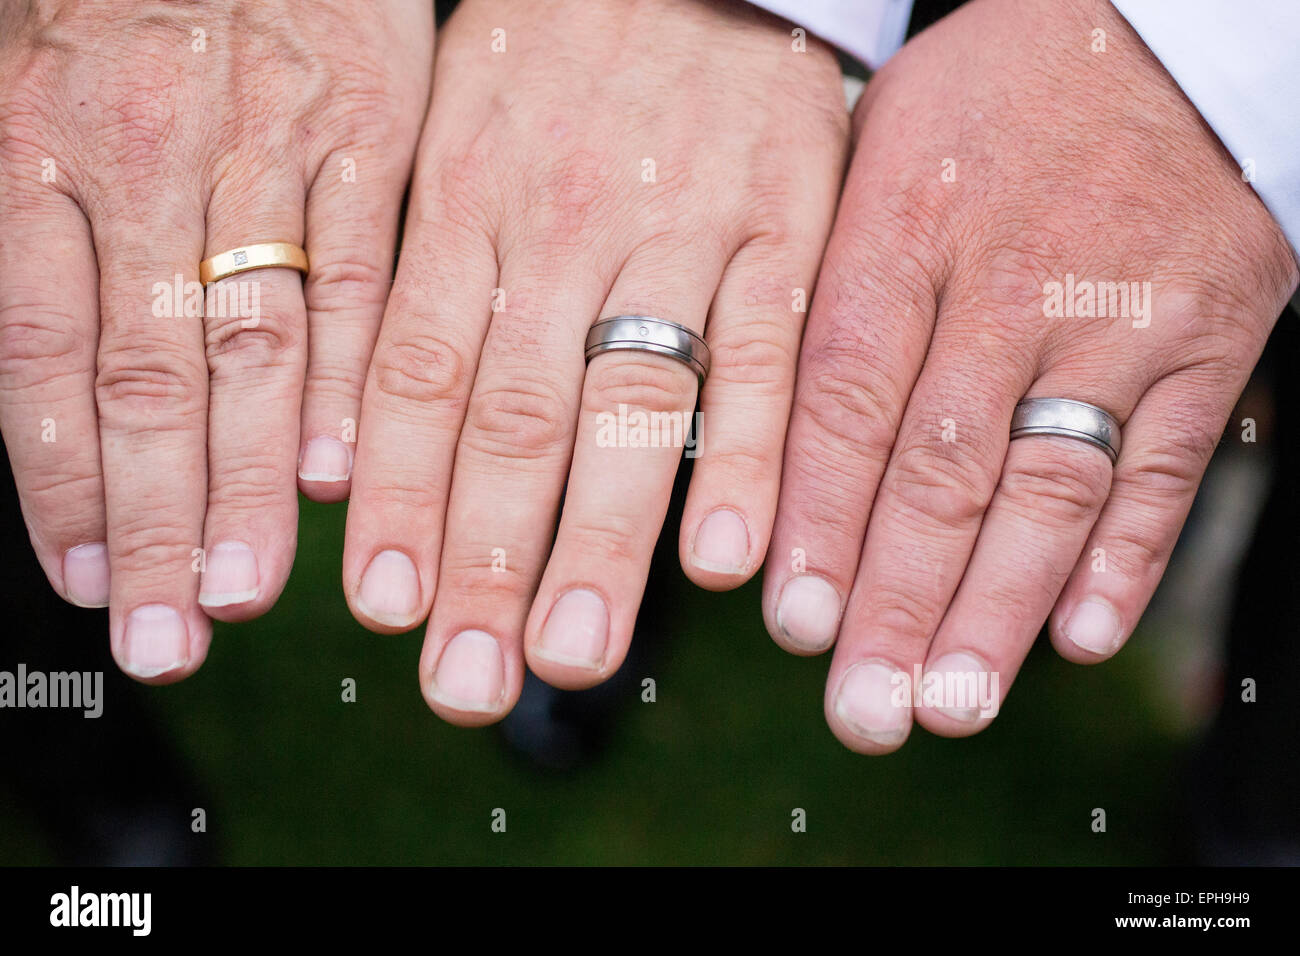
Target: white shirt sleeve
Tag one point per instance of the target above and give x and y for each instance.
(1237, 63)
(871, 30)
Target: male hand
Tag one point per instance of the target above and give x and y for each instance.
(136, 140)
(997, 156)
(673, 158)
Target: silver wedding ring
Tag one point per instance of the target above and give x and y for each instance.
(1068, 419)
(643, 333)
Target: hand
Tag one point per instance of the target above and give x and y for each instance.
(581, 160)
(136, 140)
(935, 314)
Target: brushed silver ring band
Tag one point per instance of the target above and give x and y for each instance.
(1067, 418)
(644, 333)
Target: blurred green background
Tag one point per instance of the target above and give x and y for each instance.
(709, 773)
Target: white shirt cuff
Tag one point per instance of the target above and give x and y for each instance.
(1237, 63)
(871, 30)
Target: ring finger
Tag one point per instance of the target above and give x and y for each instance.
(256, 340)
(1050, 494)
(511, 460)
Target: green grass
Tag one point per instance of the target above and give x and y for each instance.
(707, 774)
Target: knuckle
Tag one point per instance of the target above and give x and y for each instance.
(250, 484)
(1243, 289)
(334, 284)
(754, 356)
(604, 541)
(1138, 546)
(27, 106)
(952, 488)
(33, 352)
(139, 386)
(830, 489)
(525, 420)
(574, 190)
(899, 610)
(143, 546)
(1214, 324)
(999, 301)
(1165, 474)
(1196, 437)
(1053, 484)
(848, 396)
(23, 130)
(139, 122)
(1170, 462)
(1013, 261)
(657, 386)
(471, 575)
(421, 368)
(1040, 581)
(461, 194)
(64, 501)
(901, 224)
(331, 378)
(401, 490)
(880, 266)
(266, 340)
(746, 463)
(363, 107)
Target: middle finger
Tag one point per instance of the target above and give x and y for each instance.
(152, 394)
(936, 487)
(511, 460)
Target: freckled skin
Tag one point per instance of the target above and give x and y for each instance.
(137, 140)
(998, 157)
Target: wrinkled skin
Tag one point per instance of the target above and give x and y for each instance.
(670, 158)
(137, 139)
(929, 539)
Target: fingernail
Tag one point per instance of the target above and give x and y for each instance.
(229, 575)
(874, 701)
(808, 612)
(959, 686)
(155, 641)
(325, 459)
(390, 590)
(576, 630)
(470, 674)
(721, 543)
(85, 575)
(1094, 626)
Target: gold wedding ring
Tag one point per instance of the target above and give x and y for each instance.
(263, 255)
